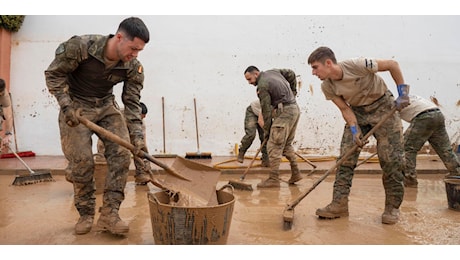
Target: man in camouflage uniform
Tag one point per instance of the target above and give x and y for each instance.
(6, 115)
(82, 76)
(277, 90)
(427, 123)
(253, 121)
(363, 99)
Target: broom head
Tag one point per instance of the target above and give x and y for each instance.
(240, 185)
(198, 155)
(35, 177)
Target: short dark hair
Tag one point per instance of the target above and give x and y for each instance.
(251, 69)
(321, 54)
(134, 27)
(2, 84)
(143, 109)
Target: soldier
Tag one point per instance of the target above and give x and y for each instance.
(6, 114)
(427, 123)
(82, 76)
(363, 99)
(253, 121)
(277, 89)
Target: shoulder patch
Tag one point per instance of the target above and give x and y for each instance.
(140, 69)
(60, 49)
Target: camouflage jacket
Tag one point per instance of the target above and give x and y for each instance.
(78, 69)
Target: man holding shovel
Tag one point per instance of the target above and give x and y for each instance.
(82, 76)
(277, 89)
(363, 99)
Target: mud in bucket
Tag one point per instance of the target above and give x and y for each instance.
(175, 225)
(453, 192)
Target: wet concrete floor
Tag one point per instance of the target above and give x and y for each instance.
(43, 213)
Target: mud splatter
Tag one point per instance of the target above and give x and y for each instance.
(435, 101)
(311, 89)
(458, 103)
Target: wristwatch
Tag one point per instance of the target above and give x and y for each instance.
(8, 133)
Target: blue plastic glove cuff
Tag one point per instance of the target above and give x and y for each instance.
(354, 130)
(403, 89)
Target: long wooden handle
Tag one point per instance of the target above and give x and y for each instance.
(340, 161)
(196, 127)
(253, 159)
(306, 160)
(116, 139)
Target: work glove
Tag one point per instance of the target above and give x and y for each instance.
(403, 100)
(356, 132)
(69, 116)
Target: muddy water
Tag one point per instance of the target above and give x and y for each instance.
(44, 214)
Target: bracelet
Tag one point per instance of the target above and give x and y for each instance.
(8, 133)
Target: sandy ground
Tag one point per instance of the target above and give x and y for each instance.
(43, 214)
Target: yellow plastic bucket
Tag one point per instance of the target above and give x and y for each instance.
(175, 225)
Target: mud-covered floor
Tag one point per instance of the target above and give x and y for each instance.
(43, 214)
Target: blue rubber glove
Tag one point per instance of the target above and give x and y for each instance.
(403, 100)
(356, 132)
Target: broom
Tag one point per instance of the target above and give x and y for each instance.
(198, 154)
(164, 154)
(34, 177)
(240, 185)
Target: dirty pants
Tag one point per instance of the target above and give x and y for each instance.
(250, 128)
(76, 145)
(428, 126)
(282, 134)
(389, 150)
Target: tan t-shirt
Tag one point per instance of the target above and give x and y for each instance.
(255, 106)
(417, 105)
(359, 86)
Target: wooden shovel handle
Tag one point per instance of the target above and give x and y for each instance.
(116, 139)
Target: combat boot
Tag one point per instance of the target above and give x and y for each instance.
(390, 215)
(410, 182)
(141, 178)
(295, 174)
(240, 157)
(110, 220)
(271, 182)
(84, 224)
(336, 209)
(265, 163)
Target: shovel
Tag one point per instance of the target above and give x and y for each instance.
(288, 215)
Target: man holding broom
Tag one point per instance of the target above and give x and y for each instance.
(363, 99)
(82, 76)
(277, 89)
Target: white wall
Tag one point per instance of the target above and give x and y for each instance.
(204, 57)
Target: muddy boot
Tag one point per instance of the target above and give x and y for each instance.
(265, 163)
(240, 157)
(84, 224)
(410, 181)
(390, 215)
(336, 209)
(295, 174)
(110, 220)
(141, 178)
(271, 182)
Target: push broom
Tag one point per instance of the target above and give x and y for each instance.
(288, 214)
(198, 154)
(33, 177)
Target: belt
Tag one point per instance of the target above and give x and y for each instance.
(92, 101)
(428, 111)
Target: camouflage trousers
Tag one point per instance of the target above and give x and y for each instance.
(428, 126)
(389, 150)
(282, 134)
(76, 145)
(250, 128)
